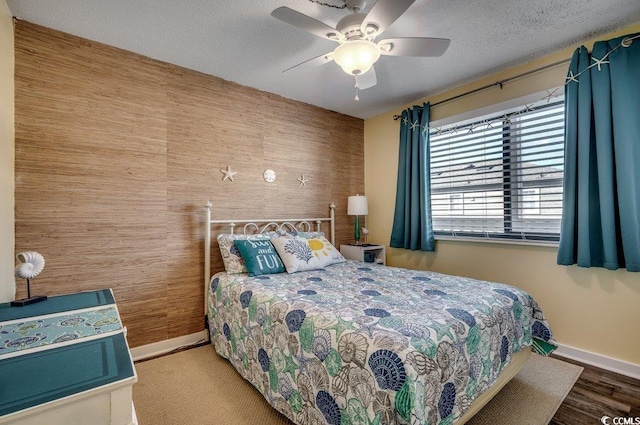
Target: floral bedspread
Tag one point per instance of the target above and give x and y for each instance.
(359, 344)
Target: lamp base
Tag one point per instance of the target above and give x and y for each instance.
(26, 301)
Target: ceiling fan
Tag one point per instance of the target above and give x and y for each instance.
(355, 34)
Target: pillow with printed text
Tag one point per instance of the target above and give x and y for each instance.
(260, 257)
(233, 262)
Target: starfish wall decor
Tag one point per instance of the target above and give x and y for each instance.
(228, 174)
(303, 181)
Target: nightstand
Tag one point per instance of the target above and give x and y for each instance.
(369, 253)
(66, 361)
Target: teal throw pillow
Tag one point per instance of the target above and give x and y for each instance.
(260, 257)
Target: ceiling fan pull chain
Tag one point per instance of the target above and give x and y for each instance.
(344, 6)
(357, 98)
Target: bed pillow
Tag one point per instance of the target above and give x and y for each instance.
(325, 251)
(260, 257)
(233, 262)
(306, 235)
(296, 254)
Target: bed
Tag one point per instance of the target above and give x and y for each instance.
(357, 343)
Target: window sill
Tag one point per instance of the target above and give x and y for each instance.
(548, 244)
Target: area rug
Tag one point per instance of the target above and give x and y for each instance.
(198, 387)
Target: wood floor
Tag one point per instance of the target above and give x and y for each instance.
(599, 393)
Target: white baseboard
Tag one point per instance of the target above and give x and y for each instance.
(162, 347)
(598, 360)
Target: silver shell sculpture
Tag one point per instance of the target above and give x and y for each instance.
(31, 265)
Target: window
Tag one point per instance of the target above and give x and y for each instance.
(499, 176)
(531, 202)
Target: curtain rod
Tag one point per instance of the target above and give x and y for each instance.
(497, 83)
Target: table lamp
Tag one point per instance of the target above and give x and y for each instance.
(357, 206)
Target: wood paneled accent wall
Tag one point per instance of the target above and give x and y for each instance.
(116, 154)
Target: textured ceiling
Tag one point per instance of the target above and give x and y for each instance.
(238, 40)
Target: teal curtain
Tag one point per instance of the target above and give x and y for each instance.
(601, 206)
(412, 227)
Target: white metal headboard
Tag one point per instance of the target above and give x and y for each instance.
(260, 225)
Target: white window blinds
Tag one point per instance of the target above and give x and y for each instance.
(500, 176)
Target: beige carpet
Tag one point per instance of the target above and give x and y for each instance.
(198, 387)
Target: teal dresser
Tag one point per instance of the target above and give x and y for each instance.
(65, 361)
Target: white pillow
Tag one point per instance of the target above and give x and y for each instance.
(325, 251)
(233, 262)
(296, 254)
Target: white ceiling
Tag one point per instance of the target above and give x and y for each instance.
(238, 40)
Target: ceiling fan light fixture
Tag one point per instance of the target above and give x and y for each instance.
(356, 57)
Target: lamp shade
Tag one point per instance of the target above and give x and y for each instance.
(357, 205)
(356, 57)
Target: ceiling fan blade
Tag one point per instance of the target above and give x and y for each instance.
(320, 60)
(307, 23)
(384, 13)
(414, 46)
(367, 80)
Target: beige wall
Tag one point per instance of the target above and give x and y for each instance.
(7, 236)
(589, 309)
